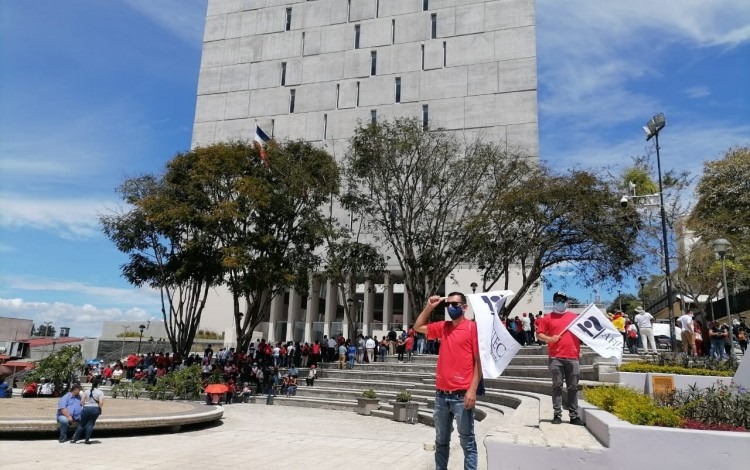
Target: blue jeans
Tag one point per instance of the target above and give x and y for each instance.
(447, 407)
(62, 421)
(88, 419)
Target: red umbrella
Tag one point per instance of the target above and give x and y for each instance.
(217, 388)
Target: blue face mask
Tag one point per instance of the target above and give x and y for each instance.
(559, 307)
(455, 312)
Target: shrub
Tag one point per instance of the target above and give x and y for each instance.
(128, 389)
(370, 394)
(684, 361)
(403, 397)
(642, 366)
(690, 424)
(716, 406)
(182, 384)
(632, 406)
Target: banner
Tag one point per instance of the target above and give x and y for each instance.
(594, 328)
(496, 346)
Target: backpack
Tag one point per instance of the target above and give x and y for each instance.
(632, 334)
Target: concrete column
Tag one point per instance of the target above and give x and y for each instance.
(277, 308)
(369, 307)
(387, 300)
(331, 303)
(311, 312)
(407, 310)
(292, 313)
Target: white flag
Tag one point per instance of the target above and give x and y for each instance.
(496, 346)
(594, 328)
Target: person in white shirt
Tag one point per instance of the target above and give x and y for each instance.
(644, 321)
(370, 346)
(526, 328)
(688, 333)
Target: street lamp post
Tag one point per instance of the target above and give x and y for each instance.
(642, 281)
(619, 297)
(140, 338)
(652, 129)
(474, 286)
(721, 246)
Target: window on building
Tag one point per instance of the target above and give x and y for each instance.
(425, 117)
(283, 74)
(325, 126)
(425, 5)
(303, 43)
(292, 95)
(356, 36)
(393, 31)
(422, 56)
(273, 126)
(445, 53)
(338, 90)
(374, 63)
(374, 116)
(398, 89)
(356, 102)
(288, 24)
(377, 8)
(348, 10)
(433, 25)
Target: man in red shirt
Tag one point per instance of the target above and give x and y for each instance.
(564, 349)
(456, 378)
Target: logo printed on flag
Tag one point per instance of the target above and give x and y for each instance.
(496, 346)
(594, 328)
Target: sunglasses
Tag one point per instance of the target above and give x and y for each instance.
(454, 304)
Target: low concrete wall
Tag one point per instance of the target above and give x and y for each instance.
(627, 447)
(641, 381)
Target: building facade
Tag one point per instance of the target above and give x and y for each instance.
(313, 69)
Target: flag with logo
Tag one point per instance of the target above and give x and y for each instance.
(496, 346)
(260, 139)
(594, 328)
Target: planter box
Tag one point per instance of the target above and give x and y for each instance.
(405, 412)
(365, 406)
(642, 380)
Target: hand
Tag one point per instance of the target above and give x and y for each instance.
(470, 399)
(554, 339)
(434, 301)
(70, 419)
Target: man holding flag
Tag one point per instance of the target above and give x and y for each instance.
(564, 349)
(456, 377)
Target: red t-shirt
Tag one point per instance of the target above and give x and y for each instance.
(569, 346)
(459, 348)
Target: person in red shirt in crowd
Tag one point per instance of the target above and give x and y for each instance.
(456, 378)
(409, 345)
(131, 362)
(564, 349)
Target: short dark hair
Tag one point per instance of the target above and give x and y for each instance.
(463, 297)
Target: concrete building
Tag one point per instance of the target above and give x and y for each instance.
(311, 69)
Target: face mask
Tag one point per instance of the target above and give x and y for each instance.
(455, 312)
(559, 307)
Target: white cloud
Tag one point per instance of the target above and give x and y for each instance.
(591, 53)
(84, 320)
(182, 18)
(70, 218)
(6, 248)
(697, 91)
(140, 297)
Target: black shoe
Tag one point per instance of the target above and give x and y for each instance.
(72, 441)
(88, 442)
(556, 420)
(63, 440)
(576, 422)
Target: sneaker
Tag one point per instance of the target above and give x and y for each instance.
(556, 420)
(576, 422)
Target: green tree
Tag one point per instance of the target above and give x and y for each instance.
(571, 220)
(169, 248)
(628, 301)
(62, 368)
(416, 190)
(263, 217)
(698, 275)
(44, 330)
(723, 206)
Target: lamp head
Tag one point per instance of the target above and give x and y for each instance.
(653, 126)
(642, 280)
(624, 201)
(721, 246)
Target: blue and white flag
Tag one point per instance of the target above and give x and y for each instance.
(594, 328)
(496, 346)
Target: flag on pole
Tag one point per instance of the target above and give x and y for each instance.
(260, 140)
(594, 328)
(496, 346)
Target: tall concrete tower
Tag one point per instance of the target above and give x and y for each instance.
(312, 69)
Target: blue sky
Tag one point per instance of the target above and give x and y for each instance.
(92, 92)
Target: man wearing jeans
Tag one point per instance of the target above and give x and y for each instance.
(456, 378)
(68, 410)
(564, 349)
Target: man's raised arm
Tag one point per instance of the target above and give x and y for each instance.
(420, 325)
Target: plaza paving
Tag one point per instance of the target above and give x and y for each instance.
(257, 436)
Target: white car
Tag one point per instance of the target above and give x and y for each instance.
(661, 334)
